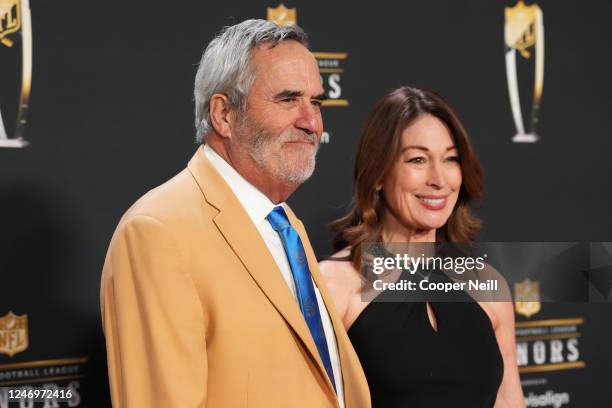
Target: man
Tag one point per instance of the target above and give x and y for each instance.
(211, 296)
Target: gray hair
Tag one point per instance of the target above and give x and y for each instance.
(224, 67)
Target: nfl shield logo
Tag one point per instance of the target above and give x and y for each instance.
(527, 297)
(519, 29)
(282, 15)
(13, 334)
(10, 20)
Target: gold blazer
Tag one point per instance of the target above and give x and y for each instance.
(197, 314)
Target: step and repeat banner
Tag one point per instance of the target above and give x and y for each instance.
(96, 109)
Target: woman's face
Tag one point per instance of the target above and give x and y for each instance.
(423, 185)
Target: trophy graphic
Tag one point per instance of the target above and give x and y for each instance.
(15, 17)
(524, 31)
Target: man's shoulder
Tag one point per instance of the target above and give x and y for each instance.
(177, 200)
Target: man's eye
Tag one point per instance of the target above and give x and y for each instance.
(317, 102)
(287, 99)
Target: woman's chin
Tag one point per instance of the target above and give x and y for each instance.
(429, 225)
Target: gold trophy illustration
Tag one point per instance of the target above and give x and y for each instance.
(524, 33)
(15, 17)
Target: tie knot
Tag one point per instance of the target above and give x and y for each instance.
(278, 219)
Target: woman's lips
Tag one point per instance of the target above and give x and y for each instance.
(432, 202)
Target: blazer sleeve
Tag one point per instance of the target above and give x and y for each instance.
(153, 320)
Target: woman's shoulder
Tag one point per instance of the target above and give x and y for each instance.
(337, 264)
(500, 307)
(343, 282)
(339, 272)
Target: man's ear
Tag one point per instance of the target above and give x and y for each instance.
(222, 115)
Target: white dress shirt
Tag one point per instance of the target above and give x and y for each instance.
(258, 206)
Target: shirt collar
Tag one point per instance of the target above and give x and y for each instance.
(255, 203)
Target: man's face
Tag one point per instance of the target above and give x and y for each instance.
(282, 127)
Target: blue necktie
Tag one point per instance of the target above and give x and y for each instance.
(303, 283)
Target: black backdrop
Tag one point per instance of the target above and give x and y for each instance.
(112, 116)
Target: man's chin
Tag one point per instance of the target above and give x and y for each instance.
(300, 157)
(298, 173)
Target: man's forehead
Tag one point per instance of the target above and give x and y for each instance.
(283, 54)
(288, 66)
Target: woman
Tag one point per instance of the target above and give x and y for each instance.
(415, 175)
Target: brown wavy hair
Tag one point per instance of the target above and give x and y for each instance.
(378, 150)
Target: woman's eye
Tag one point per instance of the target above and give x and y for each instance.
(453, 159)
(417, 160)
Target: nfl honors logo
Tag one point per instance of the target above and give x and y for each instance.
(13, 334)
(527, 297)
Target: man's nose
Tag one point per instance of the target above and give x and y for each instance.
(309, 119)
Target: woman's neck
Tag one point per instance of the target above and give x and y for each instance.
(395, 231)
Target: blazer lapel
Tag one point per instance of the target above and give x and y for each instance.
(246, 242)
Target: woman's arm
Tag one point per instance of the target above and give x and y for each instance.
(510, 393)
(332, 274)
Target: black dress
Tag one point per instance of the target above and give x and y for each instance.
(410, 365)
